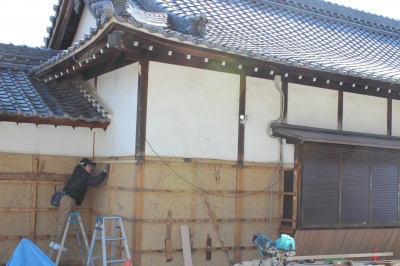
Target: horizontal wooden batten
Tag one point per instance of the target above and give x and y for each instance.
(193, 249)
(226, 220)
(210, 192)
(137, 47)
(38, 209)
(32, 178)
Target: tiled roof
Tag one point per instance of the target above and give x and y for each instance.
(22, 95)
(310, 34)
(23, 57)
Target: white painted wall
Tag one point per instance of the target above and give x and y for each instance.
(263, 106)
(119, 90)
(87, 21)
(395, 118)
(46, 139)
(312, 107)
(192, 112)
(362, 113)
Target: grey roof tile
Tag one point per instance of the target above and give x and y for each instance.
(310, 34)
(21, 94)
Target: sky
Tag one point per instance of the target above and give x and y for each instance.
(25, 21)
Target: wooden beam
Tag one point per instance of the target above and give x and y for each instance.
(60, 25)
(162, 46)
(347, 86)
(198, 62)
(389, 116)
(202, 52)
(358, 255)
(340, 111)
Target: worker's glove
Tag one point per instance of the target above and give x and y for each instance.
(107, 167)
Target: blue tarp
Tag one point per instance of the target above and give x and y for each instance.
(28, 254)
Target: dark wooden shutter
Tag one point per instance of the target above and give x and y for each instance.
(384, 183)
(320, 201)
(355, 188)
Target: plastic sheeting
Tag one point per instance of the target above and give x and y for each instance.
(28, 254)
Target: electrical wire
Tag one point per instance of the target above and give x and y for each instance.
(217, 195)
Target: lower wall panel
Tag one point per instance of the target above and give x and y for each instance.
(206, 215)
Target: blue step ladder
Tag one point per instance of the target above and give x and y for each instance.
(74, 218)
(100, 227)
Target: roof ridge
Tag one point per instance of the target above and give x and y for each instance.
(341, 12)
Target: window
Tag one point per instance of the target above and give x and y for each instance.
(346, 186)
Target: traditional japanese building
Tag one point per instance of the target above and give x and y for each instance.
(231, 116)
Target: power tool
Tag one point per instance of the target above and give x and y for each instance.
(273, 253)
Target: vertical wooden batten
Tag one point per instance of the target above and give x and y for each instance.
(239, 170)
(32, 222)
(340, 111)
(140, 155)
(389, 117)
(285, 91)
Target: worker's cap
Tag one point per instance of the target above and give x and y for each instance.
(86, 161)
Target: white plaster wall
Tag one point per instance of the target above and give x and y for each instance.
(263, 106)
(312, 107)
(192, 112)
(119, 89)
(395, 118)
(87, 21)
(46, 139)
(366, 114)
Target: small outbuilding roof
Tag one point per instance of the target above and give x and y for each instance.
(24, 98)
(300, 134)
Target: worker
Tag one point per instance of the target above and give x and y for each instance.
(73, 194)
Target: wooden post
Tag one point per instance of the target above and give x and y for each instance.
(140, 155)
(32, 221)
(389, 117)
(192, 210)
(239, 171)
(340, 111)
(111, 201)
(285, 91)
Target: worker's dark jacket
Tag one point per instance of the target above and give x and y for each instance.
(79, 182)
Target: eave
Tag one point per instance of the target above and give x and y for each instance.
(140, 45)
(64, 27)
(52, 121)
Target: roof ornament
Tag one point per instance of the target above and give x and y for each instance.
(197, 25)
(77, 6)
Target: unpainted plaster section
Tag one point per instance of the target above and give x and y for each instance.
(8, 163)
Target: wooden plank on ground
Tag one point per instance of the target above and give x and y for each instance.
(358, 255)
(187, 254)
